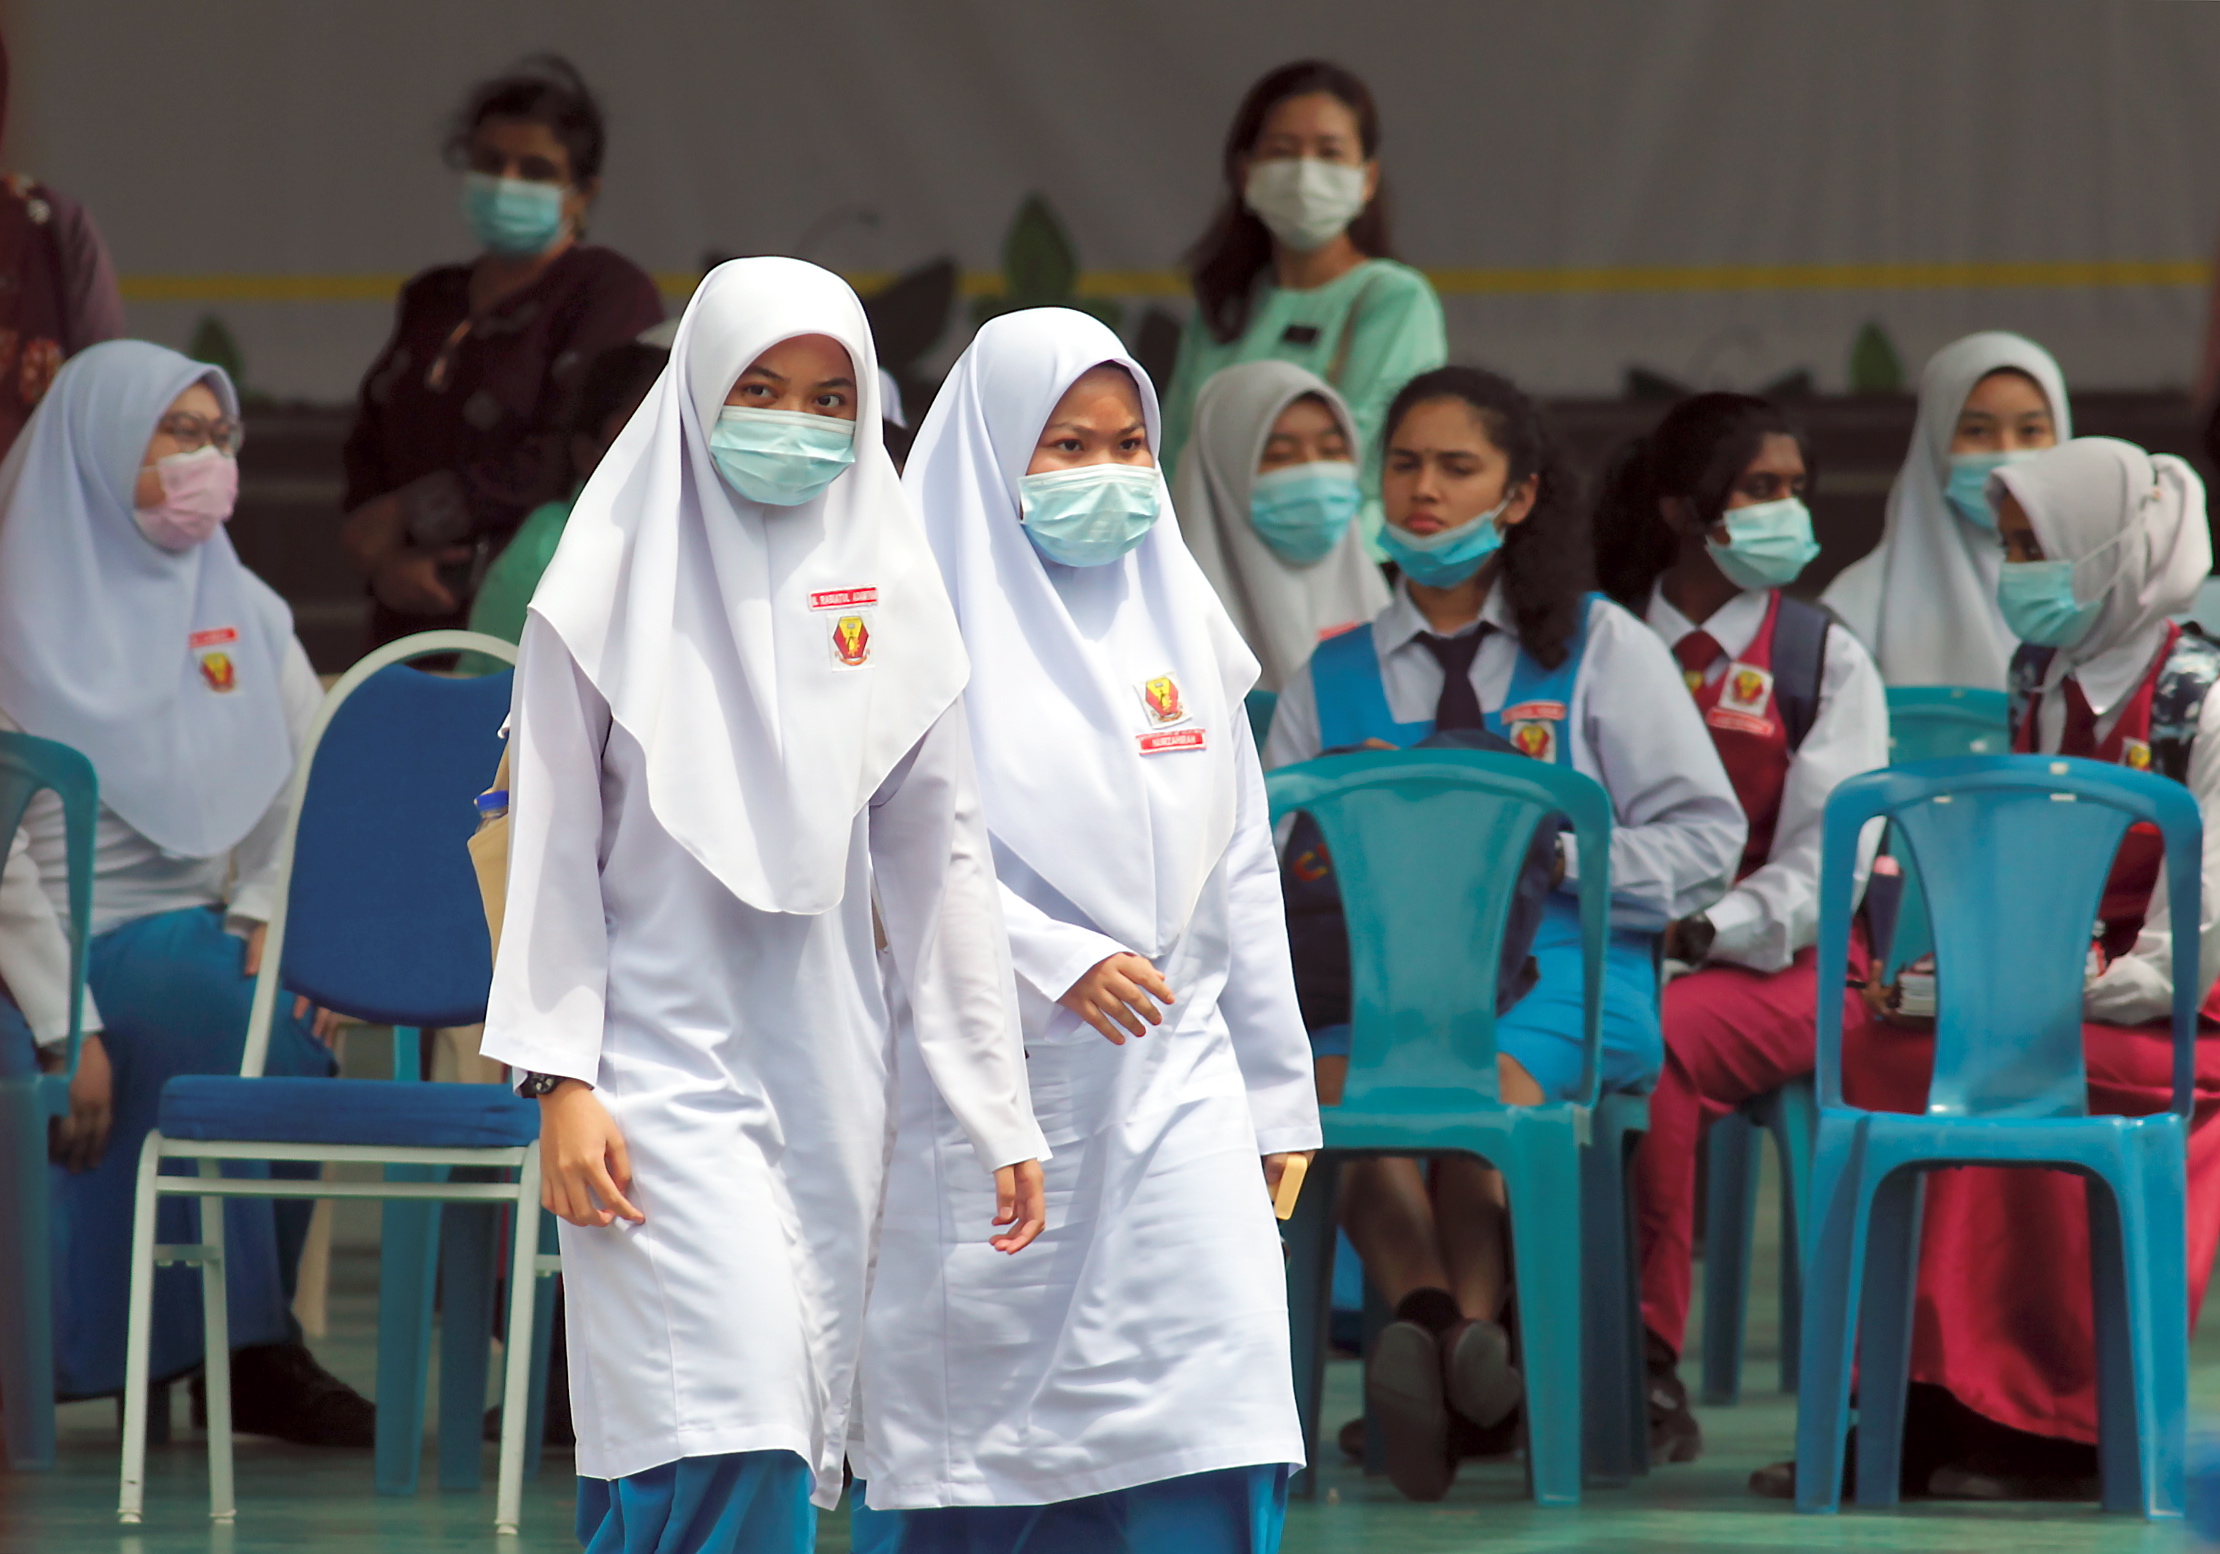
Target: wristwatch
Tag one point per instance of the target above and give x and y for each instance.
(1696, 936)
(534, 1087)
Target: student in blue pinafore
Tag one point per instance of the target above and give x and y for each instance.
(1476, 494)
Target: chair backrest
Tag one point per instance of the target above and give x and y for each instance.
(28, 764)
(1928, 722)
(2014, 851)
(381, 917)
(1427, 847)
(1261, 705)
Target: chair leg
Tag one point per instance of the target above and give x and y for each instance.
(1310, 1272)
(1835, 1280)
(1795, 1116)
(518, 1346)
(1614, 1420)
(216, 1352)
(1372, 1320)
(407, 1263)
(2140, 1283)
(543, 1346)
(1730, 1211)
(1885, 1334)
(26, 1287)
(139, 1336)
(469, 1242)
(1544, 1189)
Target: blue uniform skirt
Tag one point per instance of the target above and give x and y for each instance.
(1542, 1030)
(174, 994)
(750, 1502)
(1232, 1511)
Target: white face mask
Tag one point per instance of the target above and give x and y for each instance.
(1307, 203)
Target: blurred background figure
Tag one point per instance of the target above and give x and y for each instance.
(458, 434)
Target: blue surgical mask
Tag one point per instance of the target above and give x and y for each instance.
(1768, 543)
(1968, 487)
(2037, 598)
(513, 216)
(1302, 512)
(1446, 557)
(780, 458)
(1092, 515)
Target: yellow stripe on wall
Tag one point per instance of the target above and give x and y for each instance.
(2002, 275)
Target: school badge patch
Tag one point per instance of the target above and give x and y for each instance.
(1743, 696)
(1160, 695)
(2135, 754)
(851, 642)
(1535, 738)
(217, 670)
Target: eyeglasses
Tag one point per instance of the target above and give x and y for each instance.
(192, 432)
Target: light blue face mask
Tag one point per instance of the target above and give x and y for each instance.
(1768, 543)
(1303, 511)
(1968, 486)
(780, 458)
(1446, 557)
(513, 216)
(1089, 516)
(2037, 598)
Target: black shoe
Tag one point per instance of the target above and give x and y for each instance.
(1674, 1434)
(1997, 1475)
(1350, 1438)
(1403, 1391)
(1501, 1439)
(1477, 1375)
(280, 1390)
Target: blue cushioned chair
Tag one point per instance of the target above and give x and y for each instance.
(2017, 849)
(27, 1104)
(1422, 1076)
(381, 919)
(1261, 706)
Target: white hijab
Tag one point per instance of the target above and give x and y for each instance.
(1924, 599)
(1061, 654)
(2133, 525)
(708, 621)
(161, 667)
(1282, 609)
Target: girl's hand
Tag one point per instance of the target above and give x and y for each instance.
(1020, 1199)
(326, 1025)
(81, 1138)
(1119, 990)
(583, 1163)
(1275, 1167)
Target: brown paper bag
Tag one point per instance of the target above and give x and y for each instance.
(489, 855)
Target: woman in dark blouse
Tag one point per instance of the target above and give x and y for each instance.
(459, 431)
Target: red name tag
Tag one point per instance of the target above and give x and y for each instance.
(1171, 739)
(216, 636)
(1534, 711)
(1740, 722)
(843, 598)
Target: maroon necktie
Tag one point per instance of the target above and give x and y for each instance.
(2081, 723)
(1697, 652)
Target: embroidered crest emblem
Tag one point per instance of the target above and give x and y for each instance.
(219, 671)
(1746, 689)
(1536, 738)
(851, 642)
(2135, 754)
(1161, 696)
(1694, 679)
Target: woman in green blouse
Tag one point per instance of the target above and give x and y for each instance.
(1295, 265)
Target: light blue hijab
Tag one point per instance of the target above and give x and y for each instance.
(109, 643)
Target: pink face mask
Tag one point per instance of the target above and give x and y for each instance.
(199, 490)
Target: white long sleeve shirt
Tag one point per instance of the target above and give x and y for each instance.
(1772, 914)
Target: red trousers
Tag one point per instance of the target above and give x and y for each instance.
(1730, 1034)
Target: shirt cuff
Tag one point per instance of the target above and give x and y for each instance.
(1736, 920)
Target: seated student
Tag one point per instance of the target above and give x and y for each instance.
(1923, 601)
(1476, 493)
(1265, 497)
(2102, 544)
(129, 631)
(1701, 525)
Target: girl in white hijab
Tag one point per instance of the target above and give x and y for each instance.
(1265, 495)
(1924, 599)
(736, 732)
(1133, 1386)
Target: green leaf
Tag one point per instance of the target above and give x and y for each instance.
(213, 343)
(1037, 257)
(1875, 368)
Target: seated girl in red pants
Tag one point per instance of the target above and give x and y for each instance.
(1700, 526)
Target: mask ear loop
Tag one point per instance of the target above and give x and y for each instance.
(2132, 528)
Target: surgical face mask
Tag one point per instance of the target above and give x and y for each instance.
(2037, 598)
(1446, 557)
(1307, 203)
(1768, 544)
(199, 491)
(1091, 515)
(513, 216)
(1303, 511)
(1968, 486)
(780, 458)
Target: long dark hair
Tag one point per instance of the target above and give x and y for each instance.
(1546, 557)
(1696, 453)
(539, 89)
(1236, 246)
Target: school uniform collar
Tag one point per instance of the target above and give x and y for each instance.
(1402, 622)
(1734, 625)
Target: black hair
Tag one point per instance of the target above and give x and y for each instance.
(617, 379)
(1546, 561)
(1697, 453)
(539, 89)
(1235, 248)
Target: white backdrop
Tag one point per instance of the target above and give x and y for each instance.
(1578, 170)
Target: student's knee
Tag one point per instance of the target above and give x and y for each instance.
(1515, 1084)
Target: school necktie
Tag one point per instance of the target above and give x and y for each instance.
(2081, 723)
(1697, 652)
(1459, 706)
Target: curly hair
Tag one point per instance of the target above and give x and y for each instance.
(1547, 565)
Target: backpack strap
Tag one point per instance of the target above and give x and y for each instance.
(1352, 701)
(1799, 663)
(2178, 702)
(2022, 681)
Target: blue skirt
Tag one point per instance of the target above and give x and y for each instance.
(1542, 1030)
(174, 994)
(1232, 1511)
(751, 1502)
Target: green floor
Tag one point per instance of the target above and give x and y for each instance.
(295, 1501)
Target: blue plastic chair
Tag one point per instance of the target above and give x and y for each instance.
(1261, 705)
(2017, 851)
(1933, 723)
(382, 920)
(27, 1104)
(1422, 1077)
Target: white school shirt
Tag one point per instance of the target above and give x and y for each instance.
(2139, 986)
(1678, 829)
(749, 1058)
(1773, 913)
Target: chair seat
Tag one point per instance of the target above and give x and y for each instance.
(212, 1108)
